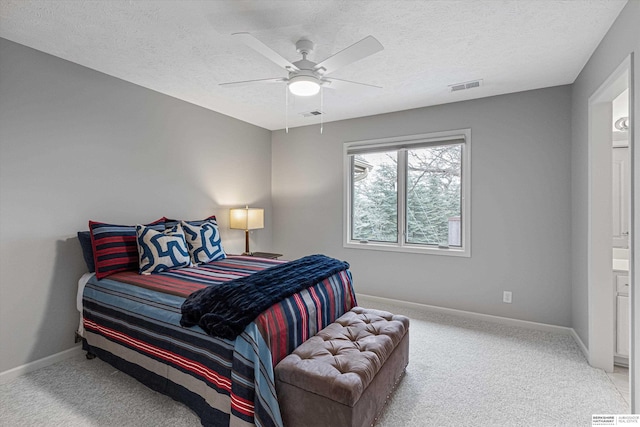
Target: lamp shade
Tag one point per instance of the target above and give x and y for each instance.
(246, 218)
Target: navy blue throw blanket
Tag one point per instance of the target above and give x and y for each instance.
(226, 309)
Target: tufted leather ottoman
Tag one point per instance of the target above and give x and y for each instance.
(344, 374)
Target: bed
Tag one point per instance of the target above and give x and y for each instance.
(132, 321)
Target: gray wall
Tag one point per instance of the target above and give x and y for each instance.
(520, 208)
(621, 40)
(76, 144)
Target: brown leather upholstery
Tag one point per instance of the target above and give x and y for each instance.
(331, 379)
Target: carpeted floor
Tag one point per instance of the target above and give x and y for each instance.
(461, 373)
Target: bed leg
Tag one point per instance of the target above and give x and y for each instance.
(90, 355)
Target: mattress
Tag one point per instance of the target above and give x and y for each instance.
(133, 322)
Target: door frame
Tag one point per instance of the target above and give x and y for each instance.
(599, 245)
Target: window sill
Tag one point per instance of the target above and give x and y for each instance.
(409, 249)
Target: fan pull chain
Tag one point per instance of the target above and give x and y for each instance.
(286, 108)
(321, 110)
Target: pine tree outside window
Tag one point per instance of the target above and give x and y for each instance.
(409, 193)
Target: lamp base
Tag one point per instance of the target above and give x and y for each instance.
(246, 243)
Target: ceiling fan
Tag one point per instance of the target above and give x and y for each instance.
(306, 77)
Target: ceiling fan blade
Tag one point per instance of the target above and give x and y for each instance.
(334, 83)
(249, 82)
(265, 50)
(365, 47)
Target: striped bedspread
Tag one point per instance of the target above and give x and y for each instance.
(133, 322)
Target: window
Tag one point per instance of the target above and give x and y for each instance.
(409, 193)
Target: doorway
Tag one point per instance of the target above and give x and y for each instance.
(604, 304)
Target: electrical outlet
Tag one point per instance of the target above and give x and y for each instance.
(506, 297)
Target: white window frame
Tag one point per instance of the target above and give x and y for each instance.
(402, 143)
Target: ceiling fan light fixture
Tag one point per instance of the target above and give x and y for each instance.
(304, 86)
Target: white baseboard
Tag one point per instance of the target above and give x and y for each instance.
(621, 361)
(479, 316)
(583, 348)
(11, 374)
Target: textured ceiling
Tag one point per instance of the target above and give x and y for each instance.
(184, 48)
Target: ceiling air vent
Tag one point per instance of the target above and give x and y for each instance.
(311, 113)
(464, 86)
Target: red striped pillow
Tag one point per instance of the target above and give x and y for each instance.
(115, 248)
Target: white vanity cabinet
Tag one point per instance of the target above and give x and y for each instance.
(621, 283)
(621, 196)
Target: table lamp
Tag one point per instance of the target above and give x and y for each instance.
(246, 219)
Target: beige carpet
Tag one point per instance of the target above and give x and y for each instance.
(461, 373)
(466, 372)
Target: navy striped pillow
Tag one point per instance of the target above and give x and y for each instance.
(115, 248)
(169, 223)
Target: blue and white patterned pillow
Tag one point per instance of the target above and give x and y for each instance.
(160, 251)
(204, 241)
